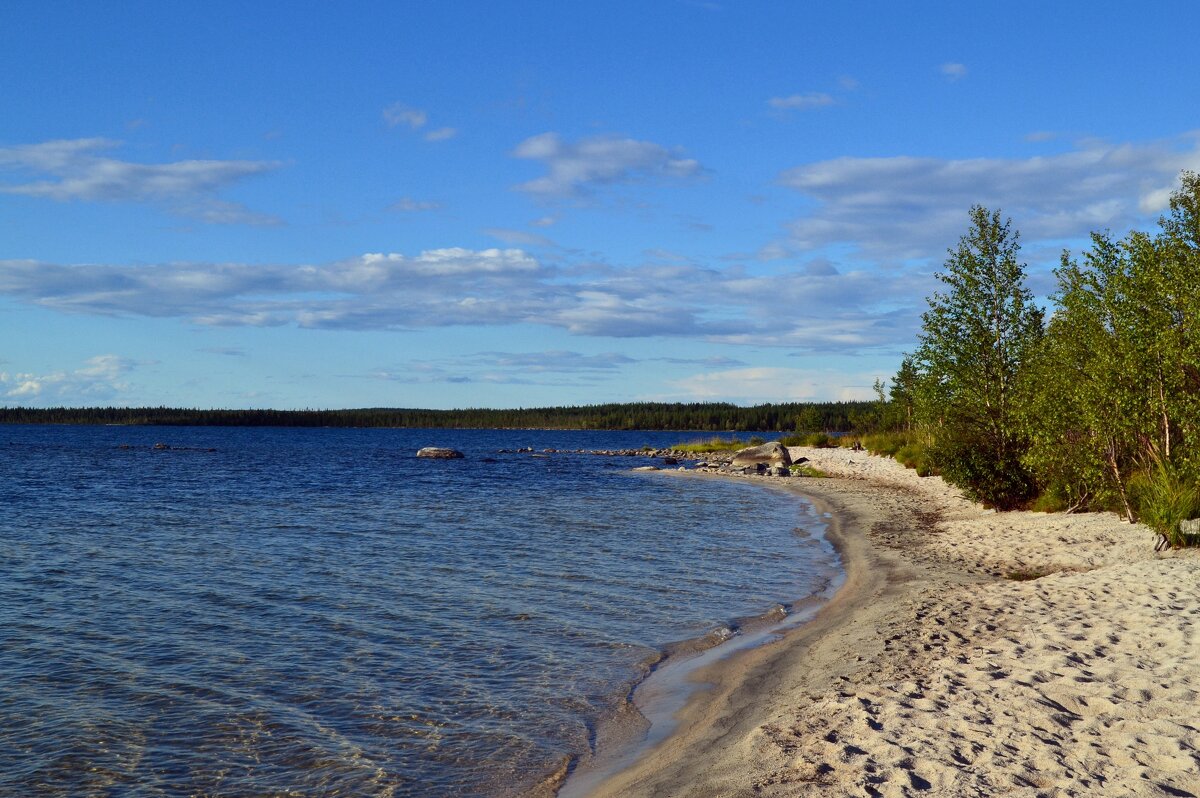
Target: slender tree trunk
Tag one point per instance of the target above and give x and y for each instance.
(1116, 474)
(1166, 421)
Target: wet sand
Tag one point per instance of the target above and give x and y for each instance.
(932, 672)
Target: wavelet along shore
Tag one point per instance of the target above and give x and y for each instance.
(967, 653)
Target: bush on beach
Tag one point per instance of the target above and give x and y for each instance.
(1162, 498)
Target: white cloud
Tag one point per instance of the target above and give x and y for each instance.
(100, 378)
(398, 114)
(552, 367)
(953, 70)
(575, 169)
(773, 384)
(441, 134)
(76, 171)
(906, 207)
(811, 308)
(801, 102)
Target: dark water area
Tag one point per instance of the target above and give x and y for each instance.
(317, 612)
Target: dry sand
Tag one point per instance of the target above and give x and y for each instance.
(932, 674)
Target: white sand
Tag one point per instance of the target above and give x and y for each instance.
(932, 674)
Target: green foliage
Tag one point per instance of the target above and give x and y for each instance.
(1163, 497)
(976, 338)
(887, 443)
(716, 444)
(805, 470)
(1050, 502)
(916, 455)
(818, 440)
(995, 478)
(1115, 384)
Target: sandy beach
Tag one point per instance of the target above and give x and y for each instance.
(969, 653)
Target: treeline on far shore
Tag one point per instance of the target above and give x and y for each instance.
(701, 416)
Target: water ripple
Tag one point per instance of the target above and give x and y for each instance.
(316, 612)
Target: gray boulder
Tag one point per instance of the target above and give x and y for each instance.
(771, 454)
(440, 453)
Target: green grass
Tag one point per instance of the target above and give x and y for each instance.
(906, 447)
(714, 444)
(819, 440)
(804, 470)
(1163, 498)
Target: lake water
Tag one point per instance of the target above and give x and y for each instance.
(317, 612)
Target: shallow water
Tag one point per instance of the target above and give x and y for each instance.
(318, 612)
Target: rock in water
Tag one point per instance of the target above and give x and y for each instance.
(440, 453)
(773, 454)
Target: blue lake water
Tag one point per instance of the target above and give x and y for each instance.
(318, 612)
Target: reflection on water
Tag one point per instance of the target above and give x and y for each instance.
(317, 612)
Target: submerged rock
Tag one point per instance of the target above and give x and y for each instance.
(440, 453)
(772, 454)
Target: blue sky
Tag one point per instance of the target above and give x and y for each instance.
(521, 204)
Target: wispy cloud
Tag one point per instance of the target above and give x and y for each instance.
(798, 308)
(553, 367)
(953, 70)
(410, 205)
(521, 238)
(76, 170)
(441, 134)
(399, 114)
(101, 378)
(905, 207)
(801, 102)
(759, 384)
(575, 169)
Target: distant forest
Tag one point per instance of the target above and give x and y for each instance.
(707, 416)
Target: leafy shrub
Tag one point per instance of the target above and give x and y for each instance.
(1050, 501)
(994, 478)
(915, 455)
(1162, 498)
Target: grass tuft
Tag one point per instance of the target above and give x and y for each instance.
(1163, 498)
(714, 444)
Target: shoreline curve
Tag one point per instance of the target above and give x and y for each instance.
(967, 653)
